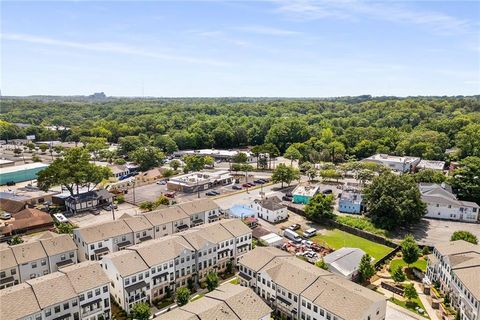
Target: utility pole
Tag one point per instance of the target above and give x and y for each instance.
(134, 192)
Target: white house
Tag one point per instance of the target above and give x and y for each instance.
(443, 204)
(344, 261)
(395, 163)
(271, 209)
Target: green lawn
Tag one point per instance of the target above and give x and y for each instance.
(337, 239)
(234, 281)
(411, 307)
(420, 264)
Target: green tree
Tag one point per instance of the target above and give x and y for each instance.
(394, 200)
(193, 162)
(162, 200)
(212, 280)
(398, 275)
(320, 207)
(182, 296)
(30, 146)
(285, 174)
(410, 292)
(321, 264)
(128, 144)
(147, 157)
(175, 164)
(311, 173)
(468, 140)
(16, 240)
(62, 227)
(464, 235)
(165, 143)
(292, 154)
(430, 176)
(330, 174)
(365, 268)
(240, 157)
(209, 161)
(466, 179)
(73, 171)
(43, 147)
(410, 249)
(147, 206)
(141, 311)
(246, 168)
(305, 166)
(94, 145)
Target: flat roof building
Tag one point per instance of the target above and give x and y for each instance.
(20, 173)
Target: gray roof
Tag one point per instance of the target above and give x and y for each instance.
(442, 194)
(345, 260)
(272, 203)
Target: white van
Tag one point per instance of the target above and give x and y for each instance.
(291, 235)
(309, 233)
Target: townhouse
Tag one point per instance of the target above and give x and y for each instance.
(60, 249)
(443, 204)
(299, 290)
(95, 241)
(71, 294)
(151, 269)
(455, 267)
(270, 208)
(228, 301)
(32, 260)
(98, 240)
(9, 270)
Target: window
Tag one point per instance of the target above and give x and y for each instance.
(72, 254)
(89, 294)
(97, 291)
(34, 264)
(62, 257)
(74, 303)
(13, 271)
(48, 312)
(127, 281)
(66, 306)
(82, 297)
(2, 274)
(44, 262)
(57, 309)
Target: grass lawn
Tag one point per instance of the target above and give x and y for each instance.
(416, 302)
(337, 239)
(420, 264)
(234, 281)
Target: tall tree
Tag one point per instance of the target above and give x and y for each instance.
(73, 171)
(212, 280)
(410, 249)
(394, 200)
(466, 179)
(430, 176)
(285, 174)
(193, 162)
(147, 157)
(320, 207)
(292, 154)
(141, 311)
(365, 268)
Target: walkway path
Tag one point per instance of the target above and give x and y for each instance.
(395, 312)
(426, 304)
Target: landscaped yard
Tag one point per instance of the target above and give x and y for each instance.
(411, 306)
(337, 239)
(420, 264)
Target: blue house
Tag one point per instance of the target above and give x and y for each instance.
(350, 202)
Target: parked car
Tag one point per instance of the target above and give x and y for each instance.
(170, 194)
(235, 187)
(10, 183)
(309, 233)
(294, 227)
(251, 184)
(210, 193)
(327, 191)
(292, 235)
(5, 216)
(246, 185)
(60, 217)
(162, 182)
(287, 198)
(259, 181)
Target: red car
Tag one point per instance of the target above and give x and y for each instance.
(170, 194)
(245, 185)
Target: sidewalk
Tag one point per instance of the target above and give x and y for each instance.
(426, 304)
(395, 312)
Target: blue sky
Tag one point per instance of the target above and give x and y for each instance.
(287, 48)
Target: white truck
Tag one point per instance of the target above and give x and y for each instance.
(292, 235)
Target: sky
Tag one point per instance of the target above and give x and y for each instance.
(278, 48)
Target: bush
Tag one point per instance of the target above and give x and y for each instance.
(425, 250)
(120, 198)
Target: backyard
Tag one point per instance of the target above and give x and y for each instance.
(421, 264)
(337, 239)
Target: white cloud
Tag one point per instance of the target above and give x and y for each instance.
(268, 31)
(108, 47)
(437, 22)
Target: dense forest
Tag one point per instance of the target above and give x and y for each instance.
(321, 129)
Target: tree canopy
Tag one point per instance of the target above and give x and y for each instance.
(320, 206)
(464, 235)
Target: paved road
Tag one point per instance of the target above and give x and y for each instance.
(395, 312)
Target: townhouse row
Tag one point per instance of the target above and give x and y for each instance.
(22, 262)
(298, 290)
(80, 291)
(95, 241)
(455, 267)
(155, 268)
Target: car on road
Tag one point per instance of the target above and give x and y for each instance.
(212, 193)
(327, 191)
(251, 184)
(294, 227)
(235, 187)
(246, 185)
(259, 181)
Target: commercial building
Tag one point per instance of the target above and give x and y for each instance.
(431, 164)
(270, 209)
(228, 301)
(25, 221)
(443, 204)
(29, 195)
(298, 290)
(98, 240)
(75, 292)
(303, 193)
(199, 181)
(455, 266)
(350, 202)
(90, 200)
(20, 173)
(395, 163)
(22, 262)
(150, 270)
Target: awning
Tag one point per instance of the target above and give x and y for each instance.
(101, 250)
(124, 244)
(244, 276)
(7, 280)
(145, 238)
(64, 263)
(282, 300)
(136, 286)
(182, 227)
(62, 317)
(91, 303)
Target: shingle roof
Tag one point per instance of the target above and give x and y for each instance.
(215, 232)
(31, 218)
(456, 247)
(198, 206)
(127, 262)
(11, 206)
(158, 251)
(104, 231)
(7, 259)
(137, 223)
(235, 227)
(28, 251)
(58, 244)
(177, 314)
(242, 300)
(18, 302)
(195, 238)
(468, 272)
(52, 289)
(210, 309)
(258, 258)
(272, 203)
(166, 215)
(85, 276)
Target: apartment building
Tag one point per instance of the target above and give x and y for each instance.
(443, 204)
(299, 290)
(60, 249)
(9, 270)
(455, 267)
(70, 294)
(228, 301)
(149, 270)
(95, 241)
(98, 240)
